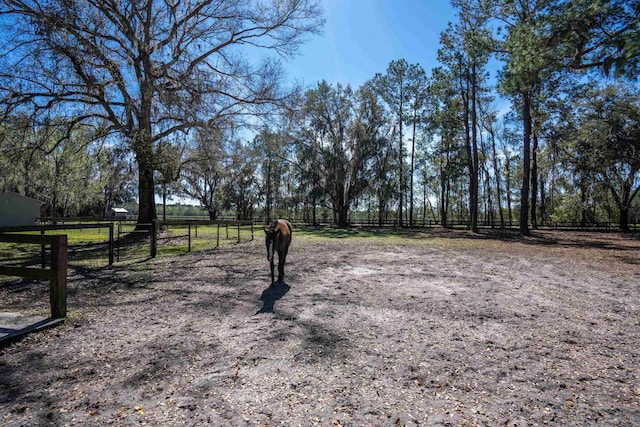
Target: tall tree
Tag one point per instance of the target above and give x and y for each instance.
(418, 88)
(272, 148)
(489, 125)
(399, 87)
(64, 176)
(342, 130)
(445, 122)
(20, 161)
(241, 189)
(146, 69)
(531, 55)
(116, 176)
(204, 170)
(606, 142)
(508, 140)
(169, 158)
(384, 179)
(600, 34)
(465, 50)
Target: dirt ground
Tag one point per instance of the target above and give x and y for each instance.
(440, 328)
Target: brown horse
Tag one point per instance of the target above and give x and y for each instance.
(278, 240)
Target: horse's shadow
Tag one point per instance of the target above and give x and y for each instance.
(272, 294)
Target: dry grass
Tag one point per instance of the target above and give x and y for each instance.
(436, 328)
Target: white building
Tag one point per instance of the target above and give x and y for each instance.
(16, 210)
(118, 212)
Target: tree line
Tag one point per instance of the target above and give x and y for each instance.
(96, 94)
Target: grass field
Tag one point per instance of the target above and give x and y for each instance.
(89, 246)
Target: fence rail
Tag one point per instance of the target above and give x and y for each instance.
(357, 222)
(150, 230)
(57, 275)
(153, 228)
(195, 223)
(567, 226)
(61, 227)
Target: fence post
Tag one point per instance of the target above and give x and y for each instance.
(58, 287)
(43, 260)
(252, 231)
(154, 239)
(189, 245)
(218, 236)
(118, 241)
(111, 243)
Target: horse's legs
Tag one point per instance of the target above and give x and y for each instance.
(282, 256)
(272, 269)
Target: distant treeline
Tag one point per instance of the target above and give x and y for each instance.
(178, 210)
(182, 210)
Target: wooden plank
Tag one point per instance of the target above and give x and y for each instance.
(175, 222)
(26, 238)
(57, 275)
(58, 286)
(111, 244)
(23, 228)
(154, 239)
(34, 273)
(14, 325)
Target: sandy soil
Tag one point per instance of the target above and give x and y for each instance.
(435, 329)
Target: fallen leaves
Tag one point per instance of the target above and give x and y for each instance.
(464, 336)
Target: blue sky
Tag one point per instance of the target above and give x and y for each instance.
(361, 38)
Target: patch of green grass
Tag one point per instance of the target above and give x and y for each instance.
(397, 236)
(88, 246)
(387, 234)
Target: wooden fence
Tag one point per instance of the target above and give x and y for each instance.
(58, 227)
(57, 275)
(116, 231)
(152, 229)
(194, 224)
(457, 224)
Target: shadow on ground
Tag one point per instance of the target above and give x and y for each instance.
(272, 294)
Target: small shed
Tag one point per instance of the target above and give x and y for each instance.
(118, 212)
(17, 210)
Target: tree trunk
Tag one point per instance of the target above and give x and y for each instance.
(143, 144)
(543, 203)
(381, 207)
(164, 201)
(314, 217)
(413, 151)
(269, 196)
(146, 197)
(401, 177)
(444, 197)
(424, 202)
(534, 181)
(624, 218)
(496, 171)
(489, 210)
(526, 164)
(400, 153)
(473, 190)
(343, 216)
(624, 204)
(468, 91)
(583, 203)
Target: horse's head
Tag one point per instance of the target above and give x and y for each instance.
(270, 240)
